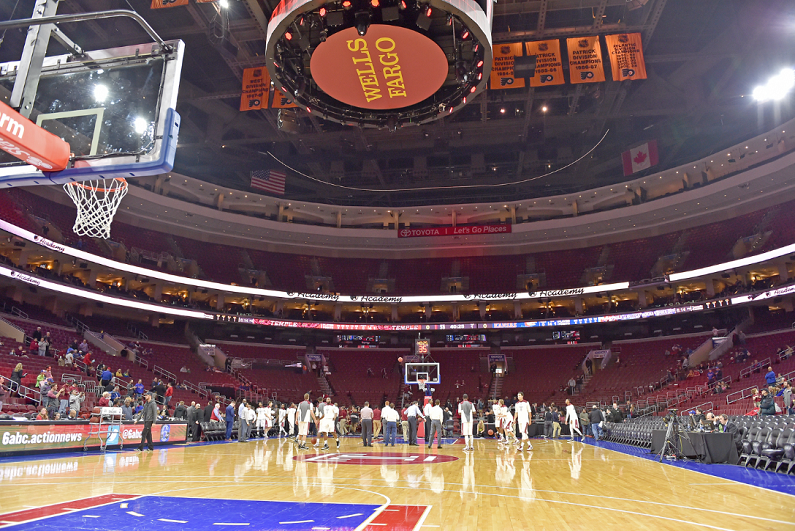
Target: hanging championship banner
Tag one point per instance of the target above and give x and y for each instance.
(585, 60)
(549, 66)
(626, 56)
(502, 67)
(157, 4)
(256, 84)
(281, 101)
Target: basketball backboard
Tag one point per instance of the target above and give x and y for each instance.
(429, 372)
(115, 108)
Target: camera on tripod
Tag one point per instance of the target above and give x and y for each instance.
(671, 416)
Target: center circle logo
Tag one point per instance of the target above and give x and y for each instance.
(165, 433)
(389, 68)
(372, 458)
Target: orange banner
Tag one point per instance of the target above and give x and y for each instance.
(502, 67)
(585, 60)
(626, 56)
(157, 4)
(281, 101)
(549, 66)
(30, 143)
(256, 84)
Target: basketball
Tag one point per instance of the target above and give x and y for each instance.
(491, 433)
(314, 440)
(400, 359)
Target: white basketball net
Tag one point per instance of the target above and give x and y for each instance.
(421, 384)
(96, 203)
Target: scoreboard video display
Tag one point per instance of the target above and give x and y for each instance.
(466, 340)
(358, 341)
(571, 336)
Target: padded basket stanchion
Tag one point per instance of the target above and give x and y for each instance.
(96, 202)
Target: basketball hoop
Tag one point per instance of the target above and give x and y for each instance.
(421, 384)
(96, 202)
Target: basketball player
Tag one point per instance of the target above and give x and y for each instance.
(572, 419)
(497, 420)
(521, 416)
(305, 414)
(291, 419)
(261, 419)
(282, 418)
(507, 425)
(336, 409)
(466, 410)
(268, 419)
(326, 424)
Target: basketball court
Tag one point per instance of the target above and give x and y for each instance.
(104, 116)
(271, 485)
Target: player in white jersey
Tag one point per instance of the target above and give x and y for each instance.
(507, 424)
(521, 416)
(282, 420)
(326, 424)
(268, 418)
(261, 422)
(291, 419)
(467, 412)
(497, 419)
(572, 419)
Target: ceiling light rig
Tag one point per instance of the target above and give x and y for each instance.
(380, 63)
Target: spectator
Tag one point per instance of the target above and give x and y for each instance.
(770, 377)
(181, 412)
(3, 392)
(43, 347)
(76, 398)
(139, 388)
(34, 347)
(115, 394)
(106, 377)
(168, 394)
(596, 417)
(43, 414)
(119, 374)
(104, 401)
(69, 358)
(786, 394)
(16, 377)
(126, 409)
(766, 405)
(730, 427)
(572, 384)
(37, 334)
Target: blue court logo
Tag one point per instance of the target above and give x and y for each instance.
(165, 432)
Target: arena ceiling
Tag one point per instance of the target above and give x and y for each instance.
(703, 59)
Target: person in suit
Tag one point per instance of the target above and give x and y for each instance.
(230, 420)
(208, 412)
(190, 416)
(198, 418)
(731, 427)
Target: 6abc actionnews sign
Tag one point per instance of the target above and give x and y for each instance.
(625, 51)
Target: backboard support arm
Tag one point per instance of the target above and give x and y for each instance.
(43, 25)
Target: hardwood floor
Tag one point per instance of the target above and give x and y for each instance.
(558, 486)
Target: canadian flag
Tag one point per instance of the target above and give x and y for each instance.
(639, 158)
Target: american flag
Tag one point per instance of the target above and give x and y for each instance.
(268, 180)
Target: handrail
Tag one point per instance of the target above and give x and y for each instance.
(760, 365)
(160, 371)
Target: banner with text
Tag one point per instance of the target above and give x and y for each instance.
(502, 67)
(27, 437)
(585, 60)
(282, 101)
(626, 56)
(473, 230)
(256, 84)
(549, 65)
